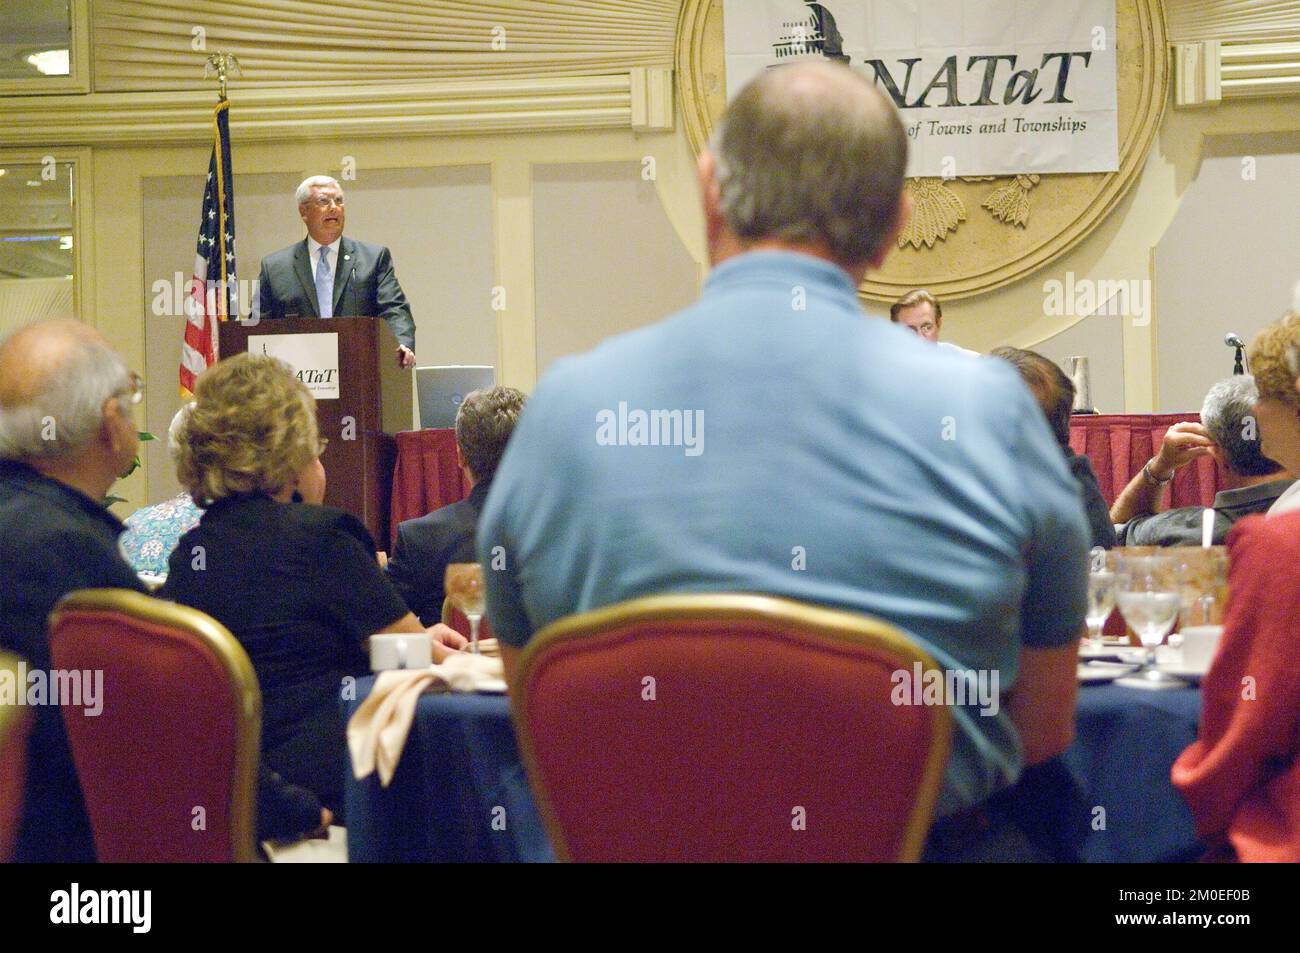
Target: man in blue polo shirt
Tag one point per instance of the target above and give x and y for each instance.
(774, 438)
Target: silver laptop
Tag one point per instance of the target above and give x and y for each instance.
(441, 389)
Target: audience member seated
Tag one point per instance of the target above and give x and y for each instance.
(1274, 357)
(920, 312)
(768, 439)
(1241, 777)
(153, 531)
(296, 582)
(66, 432)
(426, 545)
(1228, 432)
(1054, 392)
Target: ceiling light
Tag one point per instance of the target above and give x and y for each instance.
(50, 62)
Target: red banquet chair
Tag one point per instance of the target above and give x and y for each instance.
(15, 726)
(727, 727)
(169, 766)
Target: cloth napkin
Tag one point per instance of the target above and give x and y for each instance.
(377, 731)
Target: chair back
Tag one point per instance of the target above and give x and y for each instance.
(15, 726)
(169, 765)
(728, 727)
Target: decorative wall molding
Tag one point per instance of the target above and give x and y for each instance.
(1209, 71)
(1193, 20)
(152, 45)
(652, 99)
(640, 99)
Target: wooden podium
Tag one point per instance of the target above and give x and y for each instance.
(373, 404)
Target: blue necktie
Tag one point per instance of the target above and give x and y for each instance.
(324, 284)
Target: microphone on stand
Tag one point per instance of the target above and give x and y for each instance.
(1232, 340)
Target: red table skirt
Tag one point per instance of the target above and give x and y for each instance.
(1119, 445)
(426, 476)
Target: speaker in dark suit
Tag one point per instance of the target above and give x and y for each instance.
(355, 278)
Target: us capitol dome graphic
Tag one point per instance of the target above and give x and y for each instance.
(816, 36)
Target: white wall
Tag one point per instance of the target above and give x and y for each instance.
(1228, 261)
(606, 258)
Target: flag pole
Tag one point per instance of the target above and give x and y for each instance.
(222, 64)
(212, 286)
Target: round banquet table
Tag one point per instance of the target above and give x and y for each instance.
(460, 792)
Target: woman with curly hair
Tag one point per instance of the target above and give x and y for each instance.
(1275, 362)
(295, 581)
(1241, 776)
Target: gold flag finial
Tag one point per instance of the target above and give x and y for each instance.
(223, 65)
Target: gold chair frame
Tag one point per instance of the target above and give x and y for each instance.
(245, 695)
(15, 721)
(818, 623)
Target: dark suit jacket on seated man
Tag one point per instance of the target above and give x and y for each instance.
(427, 545)
(920, 486)
(57, 537)
(1229, 433)
(357, 278)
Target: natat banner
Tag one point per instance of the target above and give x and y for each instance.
(985, 87)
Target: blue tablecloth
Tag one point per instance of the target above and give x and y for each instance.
(460, 793)
(1126, 740)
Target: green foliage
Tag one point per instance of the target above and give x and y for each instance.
(135, 465)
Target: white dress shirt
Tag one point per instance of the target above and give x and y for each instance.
(1288, 501)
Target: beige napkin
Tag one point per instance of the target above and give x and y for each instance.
(377, 732)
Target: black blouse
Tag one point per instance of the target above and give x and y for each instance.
(299, 587)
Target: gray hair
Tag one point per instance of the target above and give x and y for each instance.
(304, 190)
(811, 152)
(1228, 414)
(176, 429)
(65, 416)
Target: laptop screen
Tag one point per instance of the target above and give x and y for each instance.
(441, 389)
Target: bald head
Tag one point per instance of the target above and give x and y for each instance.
(55, 377)
(812, 153)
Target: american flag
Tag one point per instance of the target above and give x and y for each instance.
(213, 296)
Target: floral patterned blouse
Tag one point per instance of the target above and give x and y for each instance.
(153, 532)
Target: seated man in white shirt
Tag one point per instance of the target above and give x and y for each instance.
(920, 312)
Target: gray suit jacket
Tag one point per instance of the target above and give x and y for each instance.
(364, 285)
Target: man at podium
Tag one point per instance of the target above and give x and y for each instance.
(325, 274)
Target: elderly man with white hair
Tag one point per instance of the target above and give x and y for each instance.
(1228, 432)
(66, 432)
(326, 275)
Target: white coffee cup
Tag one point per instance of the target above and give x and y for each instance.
(397, 650)
(1200, 642)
